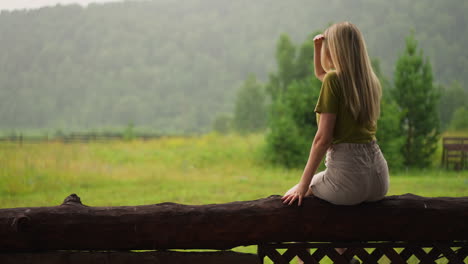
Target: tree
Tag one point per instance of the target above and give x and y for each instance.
(250, 110)
(418, 98)
(389, 135)
(300, 99)
(285, 59)
(284, 145)
(294, 92)
(293, 124)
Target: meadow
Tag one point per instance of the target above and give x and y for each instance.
(190, 170)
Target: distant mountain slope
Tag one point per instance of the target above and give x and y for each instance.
(173, 65)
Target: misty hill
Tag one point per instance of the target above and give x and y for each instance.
(173, 65)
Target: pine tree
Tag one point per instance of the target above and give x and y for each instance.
(389, 135)
(285, 58)
(294, 92)
(285, 146)
(418, 98)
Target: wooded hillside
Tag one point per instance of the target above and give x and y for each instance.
(172, 66)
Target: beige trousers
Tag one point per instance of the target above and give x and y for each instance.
(355, 173)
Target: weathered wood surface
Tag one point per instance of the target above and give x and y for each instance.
(223, 226)
(153, 257)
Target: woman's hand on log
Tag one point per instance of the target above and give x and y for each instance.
(295, 193)
(290, 191)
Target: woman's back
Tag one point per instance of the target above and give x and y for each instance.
(347, 129)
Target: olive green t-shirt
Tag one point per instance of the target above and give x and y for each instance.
(347, 129)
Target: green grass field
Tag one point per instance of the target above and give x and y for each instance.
(196, 170)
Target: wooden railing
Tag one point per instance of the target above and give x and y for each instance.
(455, 151)
(398, 228)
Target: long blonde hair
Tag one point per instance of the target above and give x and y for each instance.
(344, 49)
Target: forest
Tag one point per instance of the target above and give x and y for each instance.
(174, 68)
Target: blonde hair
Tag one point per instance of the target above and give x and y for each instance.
(344, 49)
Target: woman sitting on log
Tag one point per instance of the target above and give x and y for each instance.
(347, 111)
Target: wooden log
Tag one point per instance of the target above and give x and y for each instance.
(153, 257)
(223, 226)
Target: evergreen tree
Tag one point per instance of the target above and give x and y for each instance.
(285, 58)
(285, 146)
(300, 98)
(418, 98)
(250, 110)
(293, 123)
(304, 66)
(294, 93)
(389, 135)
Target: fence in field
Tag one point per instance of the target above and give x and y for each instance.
(397, 229)
(455, 151)
(78, 137)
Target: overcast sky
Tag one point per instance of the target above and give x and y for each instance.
(29, 4)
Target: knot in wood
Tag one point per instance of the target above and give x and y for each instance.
(72, 198)
(21, 223)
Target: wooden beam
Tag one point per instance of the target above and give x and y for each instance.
(69, 257)
(74, 226)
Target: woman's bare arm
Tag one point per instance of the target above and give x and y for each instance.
(319, 71)
(322, 141)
